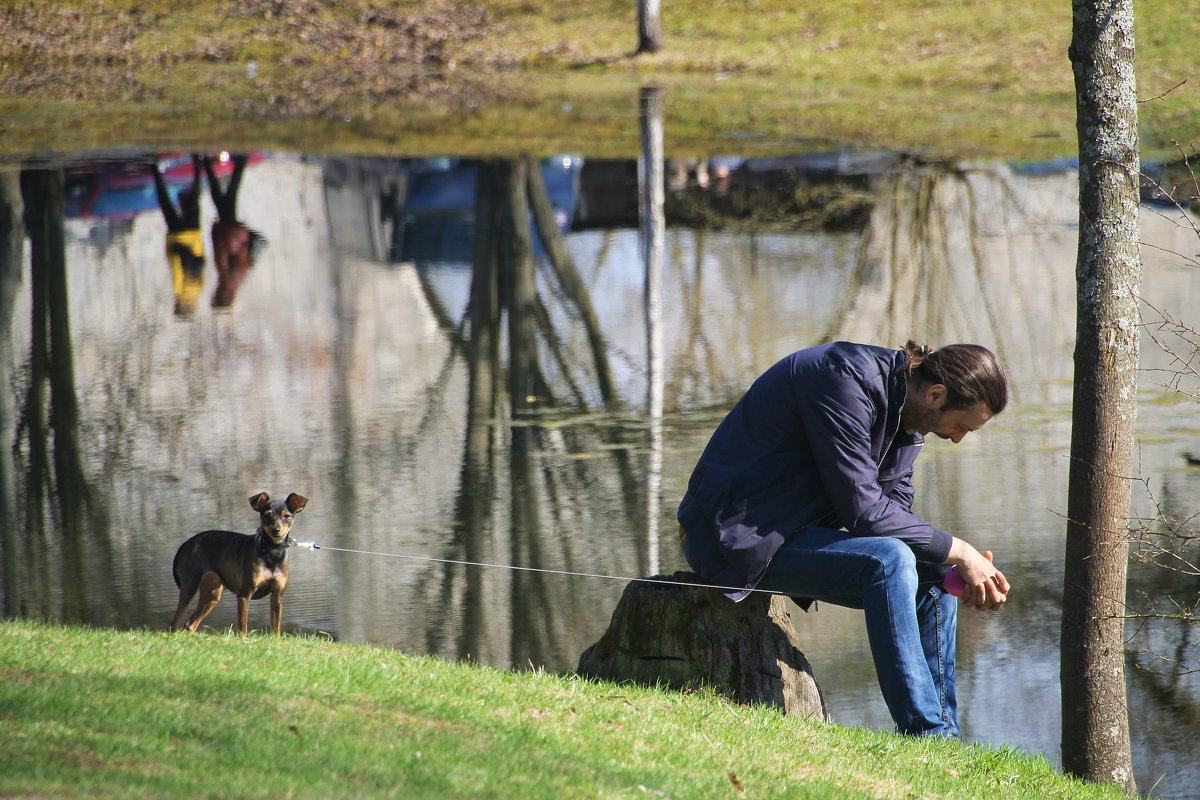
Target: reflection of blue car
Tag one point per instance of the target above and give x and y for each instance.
(435, 220)
(112, 189)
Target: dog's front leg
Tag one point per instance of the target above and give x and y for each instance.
(243, 613)
(277, 612)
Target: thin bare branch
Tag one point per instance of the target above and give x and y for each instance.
(1164, 94)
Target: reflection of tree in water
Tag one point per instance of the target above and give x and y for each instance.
(1163, 593)
(920, 269)
(514, 410)
(1163, 656)
(924, 221)
(48, 436)
(11, 253)
(1163, 607)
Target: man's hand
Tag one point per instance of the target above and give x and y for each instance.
(985, 587)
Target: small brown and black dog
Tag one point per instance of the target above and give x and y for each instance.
(249, 565)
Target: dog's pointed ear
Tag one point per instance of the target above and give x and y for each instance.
(296, 503)
(260, 502)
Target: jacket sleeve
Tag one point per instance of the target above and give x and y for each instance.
(903, 493)
(838, 415)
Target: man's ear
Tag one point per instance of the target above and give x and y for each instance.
(935, 396)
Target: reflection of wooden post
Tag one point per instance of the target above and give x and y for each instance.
(653, 229)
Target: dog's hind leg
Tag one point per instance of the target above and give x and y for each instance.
(210, 594)
(187, 591)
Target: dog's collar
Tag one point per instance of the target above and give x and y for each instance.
(268, 542)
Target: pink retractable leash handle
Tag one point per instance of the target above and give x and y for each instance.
(953, 583)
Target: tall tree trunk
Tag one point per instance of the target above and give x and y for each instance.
(650, 38)
(1095, 738)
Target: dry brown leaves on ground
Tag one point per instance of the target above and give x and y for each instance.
(315, 54)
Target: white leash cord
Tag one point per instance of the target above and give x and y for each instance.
(315, 546)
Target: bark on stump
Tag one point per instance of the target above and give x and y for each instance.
(688, 636)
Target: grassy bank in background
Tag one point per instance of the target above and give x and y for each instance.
(505, 76)
(100, 713)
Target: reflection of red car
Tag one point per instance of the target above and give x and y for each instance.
(120, 189)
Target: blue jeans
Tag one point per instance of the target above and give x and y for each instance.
(911, 631)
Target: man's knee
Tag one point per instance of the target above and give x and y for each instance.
(896, 554)
(897, 562)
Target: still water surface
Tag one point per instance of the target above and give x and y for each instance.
(340, 363)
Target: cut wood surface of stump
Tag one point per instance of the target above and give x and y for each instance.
(663, 632)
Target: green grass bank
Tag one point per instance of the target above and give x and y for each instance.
(476, 77)
(100, 713)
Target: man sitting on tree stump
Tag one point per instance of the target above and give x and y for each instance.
(805, 489)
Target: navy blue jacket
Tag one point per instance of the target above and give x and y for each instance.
(815, 441)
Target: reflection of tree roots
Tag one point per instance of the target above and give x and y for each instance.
(926, 218)
(782, 200)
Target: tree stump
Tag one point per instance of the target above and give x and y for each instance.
(690, 636)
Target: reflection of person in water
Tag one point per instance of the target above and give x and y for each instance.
(185, 246)
(234, 244)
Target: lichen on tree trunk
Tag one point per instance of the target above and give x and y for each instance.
(1095, 736)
